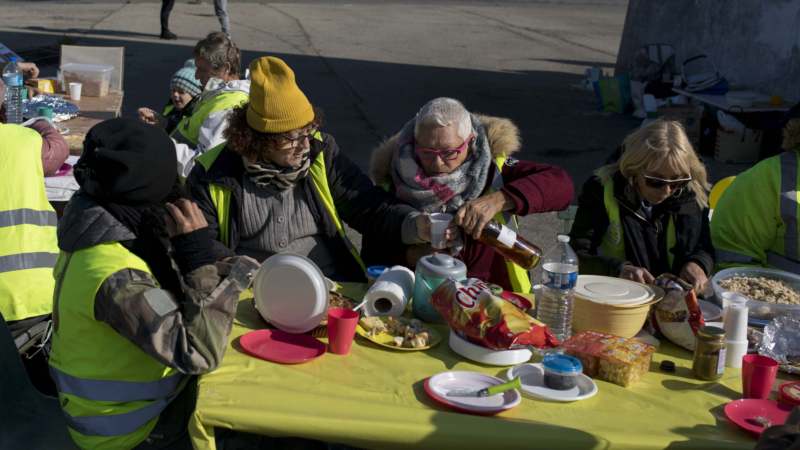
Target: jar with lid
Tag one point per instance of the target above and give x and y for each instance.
(709, 353)
(511, 245)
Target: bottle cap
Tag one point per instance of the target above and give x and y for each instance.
(563, 238)
(667, 366)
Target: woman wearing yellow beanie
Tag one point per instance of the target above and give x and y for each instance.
(282, 186)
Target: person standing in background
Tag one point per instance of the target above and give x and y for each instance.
(166, 8)
(220, 9)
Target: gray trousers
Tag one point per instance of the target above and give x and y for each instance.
(221, 10)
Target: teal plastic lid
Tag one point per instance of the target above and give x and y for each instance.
(562, 364)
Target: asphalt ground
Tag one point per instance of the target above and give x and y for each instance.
(370, 65)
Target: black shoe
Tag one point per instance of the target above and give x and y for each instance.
(166, 34)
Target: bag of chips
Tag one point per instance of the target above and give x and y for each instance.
(678, 315)
(470, 308)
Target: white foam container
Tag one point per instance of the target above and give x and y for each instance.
(485, 355)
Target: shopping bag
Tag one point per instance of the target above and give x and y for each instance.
(614, 93)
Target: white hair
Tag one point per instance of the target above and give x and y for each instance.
(444, 112)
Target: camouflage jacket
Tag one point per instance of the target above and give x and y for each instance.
(189, 334)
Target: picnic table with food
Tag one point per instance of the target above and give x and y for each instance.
(73, 114)
(489, 371)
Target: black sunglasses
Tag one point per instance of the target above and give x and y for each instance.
(660, 183)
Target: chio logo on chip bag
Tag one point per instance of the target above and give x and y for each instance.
(467, 295)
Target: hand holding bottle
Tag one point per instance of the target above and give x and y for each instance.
(475, 214)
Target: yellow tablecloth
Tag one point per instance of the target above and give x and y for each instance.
(373, 398)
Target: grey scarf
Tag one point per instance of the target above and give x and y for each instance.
(266, 174)
(444, 192)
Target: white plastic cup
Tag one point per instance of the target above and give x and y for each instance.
(439, 223)
(75, 91)
(734, 352)
(734, 316)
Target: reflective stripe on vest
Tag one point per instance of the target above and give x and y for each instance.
(28, 243)
(114, 390)
(116, 424)
(790, 259)
(221, 198)
(22, 261)
(28, 216)
(517, 275)
(188, 129)
(110, 390)
(613, 244)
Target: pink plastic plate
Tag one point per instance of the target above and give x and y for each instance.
(745, 411)
(438, 385)
(281, 347)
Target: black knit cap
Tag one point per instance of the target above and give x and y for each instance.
(127, 162)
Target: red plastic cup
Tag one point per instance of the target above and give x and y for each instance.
(341, 329)
(758, 376)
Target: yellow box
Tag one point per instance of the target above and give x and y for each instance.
(46, 85)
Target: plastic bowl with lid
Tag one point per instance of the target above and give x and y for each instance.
(612, 305)
(759, 309)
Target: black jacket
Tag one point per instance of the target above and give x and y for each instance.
(360, 204)
(645, 239)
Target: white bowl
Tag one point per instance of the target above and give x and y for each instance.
(758, 309)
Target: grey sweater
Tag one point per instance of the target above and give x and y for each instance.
(273, 221)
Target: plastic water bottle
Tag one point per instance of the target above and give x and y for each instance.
(560, 273)
(12, 77)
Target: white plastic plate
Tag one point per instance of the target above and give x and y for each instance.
(532, 378)
(290, 292)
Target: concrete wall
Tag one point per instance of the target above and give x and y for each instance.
(754, 43)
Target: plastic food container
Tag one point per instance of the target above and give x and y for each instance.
(612, 305)
(95, 78)
(758, 309)
(561, 371)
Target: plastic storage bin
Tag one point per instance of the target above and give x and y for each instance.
(95, 78)
(759, 309)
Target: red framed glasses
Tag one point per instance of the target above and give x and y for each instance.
(446, 154)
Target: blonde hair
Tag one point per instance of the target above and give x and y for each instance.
(662, 143)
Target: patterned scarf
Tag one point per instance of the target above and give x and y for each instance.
(443, 192)
(266, 174)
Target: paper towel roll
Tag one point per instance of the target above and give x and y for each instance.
(390, 293)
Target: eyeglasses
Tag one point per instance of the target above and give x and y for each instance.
(660, 183)
(447, 154)
(293, 140)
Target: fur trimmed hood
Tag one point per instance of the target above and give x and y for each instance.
(502, 134)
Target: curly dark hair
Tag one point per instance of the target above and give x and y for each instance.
(252, 144)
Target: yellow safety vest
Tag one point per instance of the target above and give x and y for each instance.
(520, 280)
(188, 129)
(784, 251)
(613, 244)
(221, 198)
(110, 390)
(28, 243)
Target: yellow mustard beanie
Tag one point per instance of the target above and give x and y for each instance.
(277, 104)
